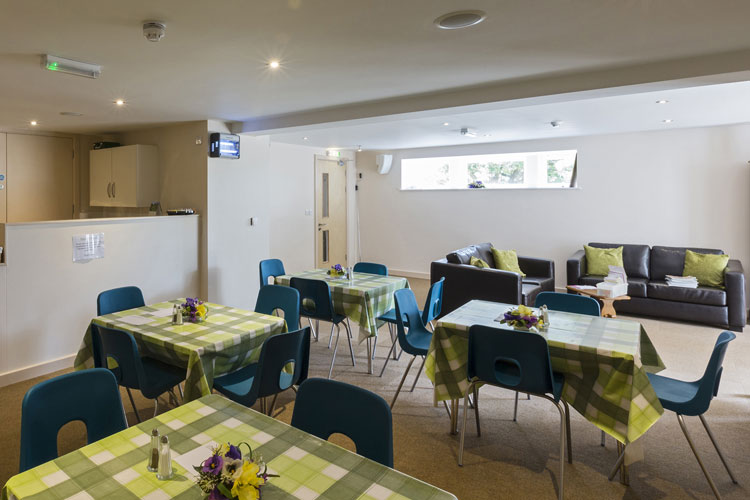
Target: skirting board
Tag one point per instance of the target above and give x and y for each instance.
(38, 370)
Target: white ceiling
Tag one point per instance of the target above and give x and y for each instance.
(334, 52)
(689, 107)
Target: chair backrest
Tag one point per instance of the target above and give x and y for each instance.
(371, 268)
(407, 313)
(434, 302)
(324, 407)
(121, 346)
(119, 299)
(568, 302)
(315, 298)
(515, 360)
(268, 268)
(272, 297)
(91, 396)
(708, 385)
(278, 351)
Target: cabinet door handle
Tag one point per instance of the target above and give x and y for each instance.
(113, 189)
(109, 193)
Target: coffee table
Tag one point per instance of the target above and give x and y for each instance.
(608, 303)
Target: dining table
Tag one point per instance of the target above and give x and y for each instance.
(308, 467)
(363, 298)
(226, 341)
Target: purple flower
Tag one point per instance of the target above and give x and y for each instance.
(234, 453)
(213, 465)
(216, 495)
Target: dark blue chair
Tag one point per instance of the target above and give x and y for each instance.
(417, 340)
(273, 297)
(269, 268)
(324, 407)
(567, 302)
(267, 377)
(432, 308)
(693, 399)
(371, 268)
(91, 396)
(316, 303)
(518, 361)
(148, 375)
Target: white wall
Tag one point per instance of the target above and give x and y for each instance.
(685, 187)
(52, 299)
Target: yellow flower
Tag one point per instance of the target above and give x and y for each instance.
(201, 311)
(525, 311)
(246, 486)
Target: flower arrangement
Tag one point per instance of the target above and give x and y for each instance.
(227, 475)
(477, 185)
(336, 270)
(195, 310)
(523, 317)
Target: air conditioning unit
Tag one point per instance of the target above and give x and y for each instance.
(384, 163)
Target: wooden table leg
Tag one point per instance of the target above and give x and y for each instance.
(608, 308)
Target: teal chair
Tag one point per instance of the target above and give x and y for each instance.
(268, 377)
(566, 302)
(518, 361)
(269, 268)
(324, 407)
(371, 268)
(273, 297)
(91, 396)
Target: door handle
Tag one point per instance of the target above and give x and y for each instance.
(113, 190)
(109, 193)
(321, 225)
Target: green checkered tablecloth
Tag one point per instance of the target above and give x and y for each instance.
(604, 361)
(362, 299)
(309, 468)
(226, 341)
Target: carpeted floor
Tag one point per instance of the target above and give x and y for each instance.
(519, 459)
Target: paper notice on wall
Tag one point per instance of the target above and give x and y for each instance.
(88, 246)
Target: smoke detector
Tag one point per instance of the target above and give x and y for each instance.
(154, 30)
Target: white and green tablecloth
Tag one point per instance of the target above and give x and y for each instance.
(309, 468)
(226, 341)
(604, 361)
(362, 299)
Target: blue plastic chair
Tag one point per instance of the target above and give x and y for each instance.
(316, 303)
(148, 375)
(432, 308)
(518, 361)
(108, 302)
(273, 297)
(568, 302)
(91, 396)
(371, 268)
(693, 399)
(324, 407)
(417, 340)
(267, 377)
(268, 268)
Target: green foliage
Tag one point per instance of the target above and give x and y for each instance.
(558, 172)
(507, 172)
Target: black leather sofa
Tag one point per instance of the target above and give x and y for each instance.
(647, 267)
(464, 282)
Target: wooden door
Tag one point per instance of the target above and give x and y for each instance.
(330, 212)
(124, 176)
(40, 178)
(100, 177)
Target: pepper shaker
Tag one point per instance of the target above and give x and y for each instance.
(153, 458)
(165, 460)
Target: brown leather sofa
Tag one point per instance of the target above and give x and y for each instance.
(647, 267)
(464, 282)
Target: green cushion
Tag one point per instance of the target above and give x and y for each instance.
(474, 261)
(507, 260)
(707, 268)
(598, 260)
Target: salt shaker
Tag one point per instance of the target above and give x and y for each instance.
(153, 457)
(165, 460)
(545, 315)
(177, 315)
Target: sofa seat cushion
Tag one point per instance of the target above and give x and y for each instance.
(463, 255)
(702, 295)
(529, 291)
(546, 284)
(636, 286)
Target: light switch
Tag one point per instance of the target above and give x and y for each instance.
(308, 211)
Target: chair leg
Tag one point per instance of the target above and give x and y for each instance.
(681, 419)
(349, 338)
(387, 359)
(604, 435)
(716, 445)
(421, 367)
(273, 404)
(336, 347)
(330, 339)
(401, 384)
(314, 328)
(463, 428)
(563, 413)
(476, 408)
(515, 409)
(156, 406)
(132, 402)
(182, 394)
(567, 431)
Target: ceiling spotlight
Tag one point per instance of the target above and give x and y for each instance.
(359, 149)
(120, 102)
(274, 64)
(662, 101)
(468, 132)
(62, 65)
(154, 30)
(556, 123)
(445, 124)
(460, 19)
(305, 138)
(33, 123)
(668, 120)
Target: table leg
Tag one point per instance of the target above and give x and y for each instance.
(624, 479)
(369, 357)
(454, 417)
(608, 308)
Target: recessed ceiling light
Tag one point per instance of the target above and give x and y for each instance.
(662, 101)
(274, 64)
(445, 124)
(460, 19)
(120, 102)
(71, 113)
(359, 149)
(305, 138)
(668, 120)
(33, 123)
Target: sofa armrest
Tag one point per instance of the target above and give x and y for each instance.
(576, 267)
(540, 268)
(464, 282)
(734, 280)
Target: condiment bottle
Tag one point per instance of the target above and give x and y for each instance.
(165, 460)
(153, 456)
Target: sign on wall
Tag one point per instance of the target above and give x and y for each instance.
(88, 246)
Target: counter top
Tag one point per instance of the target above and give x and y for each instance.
(103, 220)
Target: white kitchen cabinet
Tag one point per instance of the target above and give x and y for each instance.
(126, 176)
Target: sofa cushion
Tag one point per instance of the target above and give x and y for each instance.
(636, 286)
(635, 258)
(671, 260)
(701, 295)
(708, 269)
(477, 262)
(506, 260)
(464, 255)
(529, 291)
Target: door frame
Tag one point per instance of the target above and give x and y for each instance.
(315, 203)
